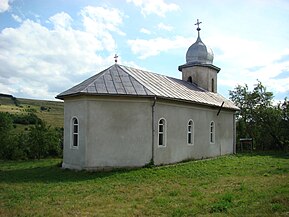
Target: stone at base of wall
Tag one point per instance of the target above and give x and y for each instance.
(104, 168)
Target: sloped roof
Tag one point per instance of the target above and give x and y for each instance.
(123, 80)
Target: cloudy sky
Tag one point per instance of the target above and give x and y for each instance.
(47, 47)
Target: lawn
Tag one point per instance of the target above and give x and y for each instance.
(236, 185)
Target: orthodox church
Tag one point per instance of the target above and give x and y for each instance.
(125, 117)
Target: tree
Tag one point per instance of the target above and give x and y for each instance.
(259, 119)
(43, 141)
(5, 127)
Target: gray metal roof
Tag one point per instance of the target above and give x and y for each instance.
(123, 80)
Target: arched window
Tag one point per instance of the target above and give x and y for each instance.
(190, 79)
(212, 132)
(190, 132)
(75, 131)
(213, 85)
(162, 132)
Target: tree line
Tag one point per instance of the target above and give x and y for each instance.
(260, 118)
(39, 141)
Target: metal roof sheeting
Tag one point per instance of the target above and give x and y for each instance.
(123, 80)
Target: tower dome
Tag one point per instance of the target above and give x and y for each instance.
(199, 68)
(198, 52)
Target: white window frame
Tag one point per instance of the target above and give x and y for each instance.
(212, 132)
(191, 132)
(72, 133)
(164, 133)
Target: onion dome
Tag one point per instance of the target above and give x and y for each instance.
(198, 52)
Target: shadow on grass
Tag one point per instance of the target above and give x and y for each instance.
(274, 154)
(52, 174)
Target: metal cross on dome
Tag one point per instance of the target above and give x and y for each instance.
(115, 58)
(198, 24)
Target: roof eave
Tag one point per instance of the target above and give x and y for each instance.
(198, 103)
(62, 97)
(199, 64)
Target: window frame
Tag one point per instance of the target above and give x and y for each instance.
(191, 133)
(212, 132)
(73, 133)
(163, 133)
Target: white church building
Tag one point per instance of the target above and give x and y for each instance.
(125, 117)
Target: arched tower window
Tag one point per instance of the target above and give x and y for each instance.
(190, 132)
(212, 132)
(213, 85)
(162, 132)
(190, 79)
(74, 133)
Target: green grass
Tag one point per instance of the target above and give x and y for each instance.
(241, 185)
(53, 117)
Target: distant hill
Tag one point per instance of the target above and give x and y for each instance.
(50, 111)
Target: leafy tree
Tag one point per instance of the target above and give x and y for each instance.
(30, 118)
(43, 141)
(39, 142)
(259, 119)
(5, 140)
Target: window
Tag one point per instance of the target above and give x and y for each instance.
(74, 130)
(213, 85)
(212, 132)
(190, 132)
(162, 132)
(190, 79)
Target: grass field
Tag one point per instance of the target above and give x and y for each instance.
(241, 185)
(52, 116)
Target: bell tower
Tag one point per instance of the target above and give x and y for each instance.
(199, 68)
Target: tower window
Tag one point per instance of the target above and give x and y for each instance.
(190, 79)
(213, 85)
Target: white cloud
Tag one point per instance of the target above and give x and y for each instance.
(39, 62)
(61, 20)
(145, 31)
(245, 61)
(98, 19)
(152, 47)
(4, 6)
(100, 22)
(165, 27)
(16, 18)
(158, 7)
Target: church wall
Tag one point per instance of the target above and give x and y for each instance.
(119, 132)
(177, 116)
(74, 158)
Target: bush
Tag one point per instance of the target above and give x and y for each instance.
(39, 141)
(30, 118)
(43, 141)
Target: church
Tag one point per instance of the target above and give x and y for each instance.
(125, 117)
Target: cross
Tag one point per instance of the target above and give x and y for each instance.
(115, 58)
(198, 24)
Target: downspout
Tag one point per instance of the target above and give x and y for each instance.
(218, 115)
(153, 129)
(234, 134)
(220, 108)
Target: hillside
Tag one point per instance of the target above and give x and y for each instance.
(49, 111)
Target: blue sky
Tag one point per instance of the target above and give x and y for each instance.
(47, 47)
